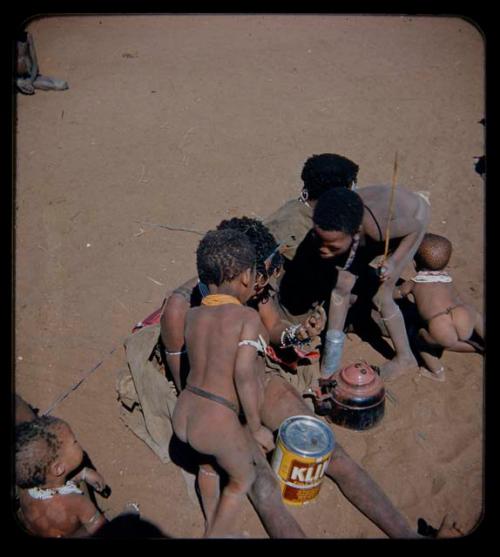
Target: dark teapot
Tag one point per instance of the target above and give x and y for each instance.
(353, 397)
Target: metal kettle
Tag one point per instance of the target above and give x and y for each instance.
(353, 397)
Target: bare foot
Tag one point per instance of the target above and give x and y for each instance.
(46, 83)
(25, 86)
(396, 367)
(437, 375)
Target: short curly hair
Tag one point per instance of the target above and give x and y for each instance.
(323, 172)
(37, 446)
(262, 240)
(433, 253)
(222, 255)
(339, 209)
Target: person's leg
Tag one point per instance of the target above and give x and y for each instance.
(404, 359)
(235, 456)
(451, 332)
(282, 401)
(209, 486)
(265, 496)
(430, 351)
(395, 325)
(479, 325)
(26, 68)
(362, 491)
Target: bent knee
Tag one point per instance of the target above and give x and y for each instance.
(241, 484)
(383, 298)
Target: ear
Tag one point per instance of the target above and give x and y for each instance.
(58, 468)
(246, 277)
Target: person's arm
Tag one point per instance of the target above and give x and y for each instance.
(92, 477)
(90, 517)
(247, 385)
(172, 328)
(272, 320)
(408, 244)
(24, 412)
(275, 325)
(403, 290)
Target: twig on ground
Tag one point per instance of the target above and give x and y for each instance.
(155, 281)
(176, 228)
(75, 386)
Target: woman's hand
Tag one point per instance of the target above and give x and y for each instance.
(315, 323)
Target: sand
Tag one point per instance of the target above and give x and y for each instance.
(186, 120)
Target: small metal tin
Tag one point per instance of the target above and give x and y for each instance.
(303, 450)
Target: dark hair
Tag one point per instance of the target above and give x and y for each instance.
(339, 209)
(37, 446)
(262, 240)
(326, 171)
(222, 255)
(433, 253)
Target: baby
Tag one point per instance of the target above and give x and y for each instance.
(50, 505)
(449, 323)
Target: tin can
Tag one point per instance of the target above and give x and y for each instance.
(303, 450)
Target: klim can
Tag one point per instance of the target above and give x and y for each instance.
(303, 450)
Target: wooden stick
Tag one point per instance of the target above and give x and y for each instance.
(391, 208)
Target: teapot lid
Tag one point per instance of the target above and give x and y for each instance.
(358, 374)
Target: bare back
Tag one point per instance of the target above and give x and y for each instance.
(405, 215)
(60, 516)
(212, 335)
(220, 367)
(434, 298)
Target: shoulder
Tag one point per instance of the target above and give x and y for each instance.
(292, 213)
(368, 193)
(250, 315)
(292, 205)
(186, 290)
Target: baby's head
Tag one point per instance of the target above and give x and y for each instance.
(328, 170)
(223, 256)
(433, 253)
(46, 450)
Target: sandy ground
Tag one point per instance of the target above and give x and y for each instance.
(186, 120)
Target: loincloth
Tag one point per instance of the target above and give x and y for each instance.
(214, 398)
(447, 311)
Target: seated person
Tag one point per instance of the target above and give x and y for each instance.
(223, 340)
(449, 322)
(51, 505)
(28, 77)
(292, 221)
(349, 232)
